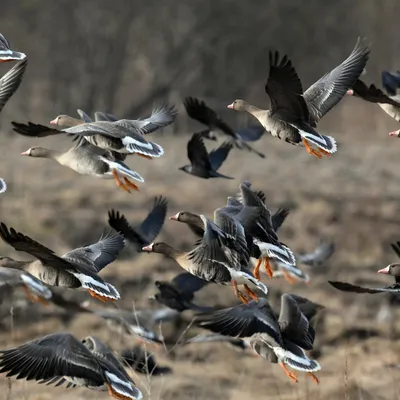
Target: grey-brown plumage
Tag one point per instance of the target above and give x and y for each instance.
(10, 277)
(293, 115)
(281, 339)
(122, 136)
(86, 159)
(75, 269)
(60, 358)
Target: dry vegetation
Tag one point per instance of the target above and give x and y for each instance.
(141, 56)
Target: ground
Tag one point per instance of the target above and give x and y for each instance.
(352, 198)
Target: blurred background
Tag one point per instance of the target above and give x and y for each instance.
(125, 56)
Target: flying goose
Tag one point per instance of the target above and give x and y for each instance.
(143, 362)
(221, 256)
(203, 164)
(179, 293)
(264, 233)
(86, 159)
(293, 114)
(198, 110)
(122, 136)
(282, 339)
(140, 323)
(34, 288)
(195, 224)
(392, 269)
(372, 94)
(75, 269)
(60, 358)
(144, 233)
(6, 54)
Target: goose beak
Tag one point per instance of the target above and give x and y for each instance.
(350, 92)
(230, 106)
(174, 217)
(395, 133)
(384, 270)
(148, 248)
(54, 122)
(26, 153)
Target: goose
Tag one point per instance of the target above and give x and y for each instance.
(200, 111)
(372, 94)
(282, 339)
(86, 159)
(264, 233)
(178, 294)
(144, 233)
(35, 289)
(60, 358)
(293, 114)
(123, 136)
(392, 269)
(221, 256)
(139, 323)
(6, 54)
(203, 164)
(143, 362)
(75, 269)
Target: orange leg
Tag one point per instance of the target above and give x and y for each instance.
(291, 375)
(325, 152)
(144, 156)
(34, 299)
(268, 268)
(130, 184)
(313, 377)
(256, 271)
(99, 297)
(118, 181)
(288, 277)
(250, 293)
(238, 294)
(314, 152)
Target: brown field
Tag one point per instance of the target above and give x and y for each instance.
(352, 198)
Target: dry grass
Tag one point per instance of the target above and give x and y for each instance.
(352, 198)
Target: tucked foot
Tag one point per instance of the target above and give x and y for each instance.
(291, 375)
(239, 294)
(116, 395)
(99, 297)
(310, 150)
(268, 268)
(130, 184)
(313, 377)
(144, 156)
(256, 271)
(33, 298)
(118, 181)
(324, 152)
(250, 293)
(288, 277)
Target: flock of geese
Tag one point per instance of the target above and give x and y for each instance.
(232, 246)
